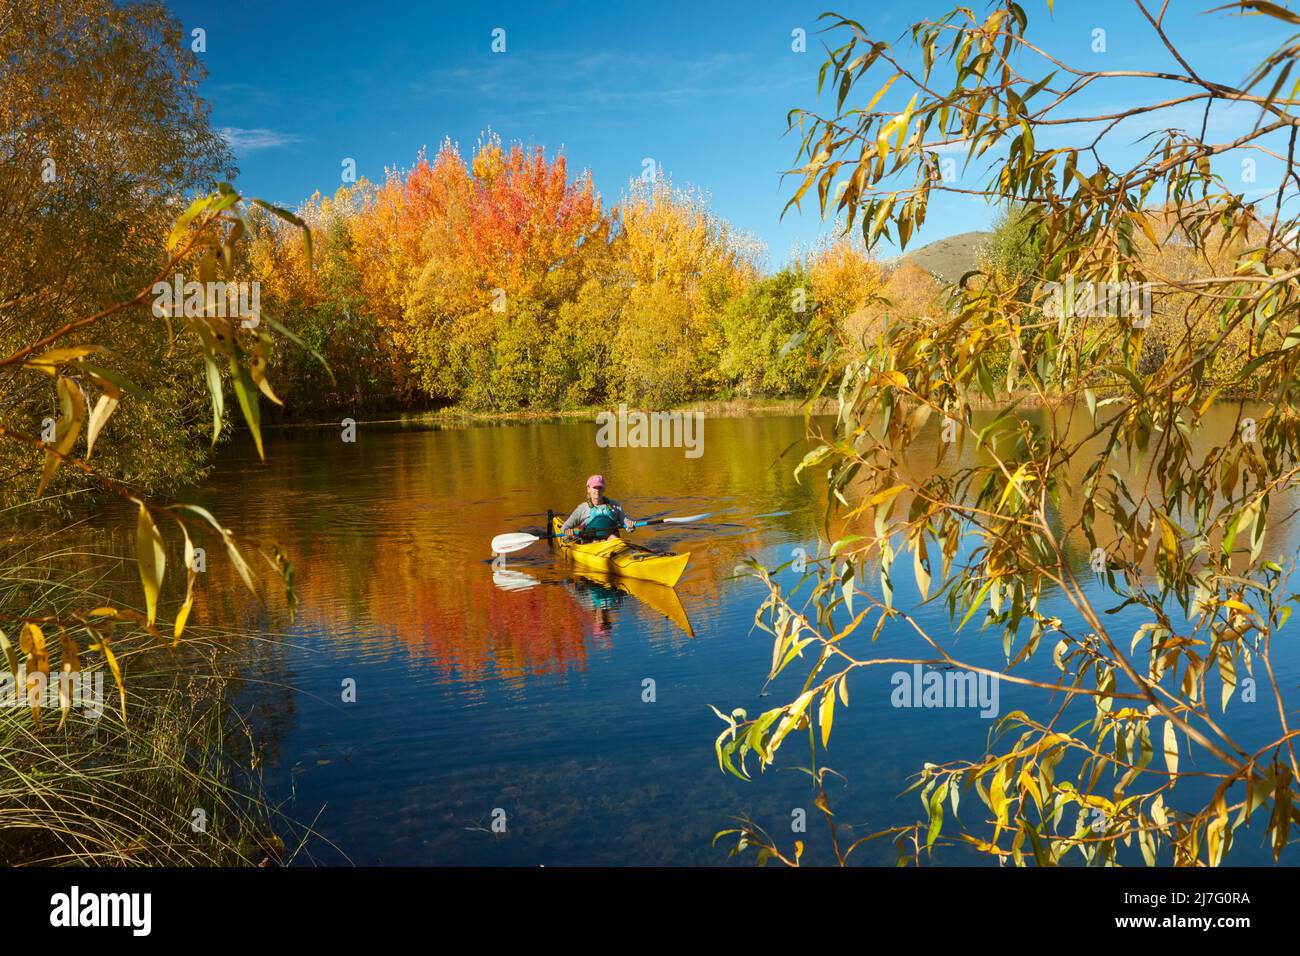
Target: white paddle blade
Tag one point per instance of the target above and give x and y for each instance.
(685, 520)
(514, 541)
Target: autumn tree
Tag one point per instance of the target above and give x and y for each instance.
(101, 130)
(681, 264)
(910, 292)
(504, 242)
(325, 303)
(389, 233)
(843, 277)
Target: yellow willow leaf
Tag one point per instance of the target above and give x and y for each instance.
(182, 224)
(881, 92)
(1171, 748)
(257, 362)
(1058, 653)
(38, 663)
(264, 386)
(1216, 840)
(48, 362)
(1145, 225)
(1097, 801)
(826, 714)
(793, 715)
(151, 559)
(882, 215)
(72, 413)
(1147, 844)
(1027, 784)
(1239, 606)
(99, 416)
(998, 796)
(920, 562)
(1228, 674)
(1013, 484)
(113, 666)
(1191, 687)
(11, 656)
(184, 613)
(70, 664)
(237, 559)
(882, 143)
(1168, 540)
(844, 691)
(1157, 811)
(1209, 400)
(885, 495)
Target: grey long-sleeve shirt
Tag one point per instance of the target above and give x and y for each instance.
(579, 517)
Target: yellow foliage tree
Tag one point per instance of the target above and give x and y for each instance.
(844, 277)
(681, 264)
(909, 292)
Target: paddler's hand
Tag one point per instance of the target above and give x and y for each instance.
(629, 524)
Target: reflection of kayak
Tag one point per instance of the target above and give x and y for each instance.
(657, 597)
(619, 559)
(606, 592)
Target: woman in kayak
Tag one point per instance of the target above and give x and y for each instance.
(597, 518)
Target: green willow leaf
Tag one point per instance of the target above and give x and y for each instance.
(247, 392)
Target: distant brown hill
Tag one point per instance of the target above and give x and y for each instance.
(947, 259)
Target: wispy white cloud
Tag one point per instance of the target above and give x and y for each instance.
(248, 140)
(616, 81)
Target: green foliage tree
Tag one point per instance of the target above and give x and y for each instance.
(772, 345)
(578, 358)
(1011, 249)
(654, 347)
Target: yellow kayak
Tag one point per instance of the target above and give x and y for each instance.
(617, 558)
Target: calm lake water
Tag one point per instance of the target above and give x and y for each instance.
(479, 690)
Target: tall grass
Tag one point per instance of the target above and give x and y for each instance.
(176, 785)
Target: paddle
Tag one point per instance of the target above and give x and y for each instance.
(514, 541)
(518, 540)
(642, 524)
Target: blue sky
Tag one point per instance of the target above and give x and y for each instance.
(701, 88)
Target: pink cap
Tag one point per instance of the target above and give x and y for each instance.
(596, 481)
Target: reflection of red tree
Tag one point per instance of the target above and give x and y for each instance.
(465, 624)
(461, 623)
(538, 631)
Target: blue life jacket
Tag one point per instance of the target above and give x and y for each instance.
(601, 520)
